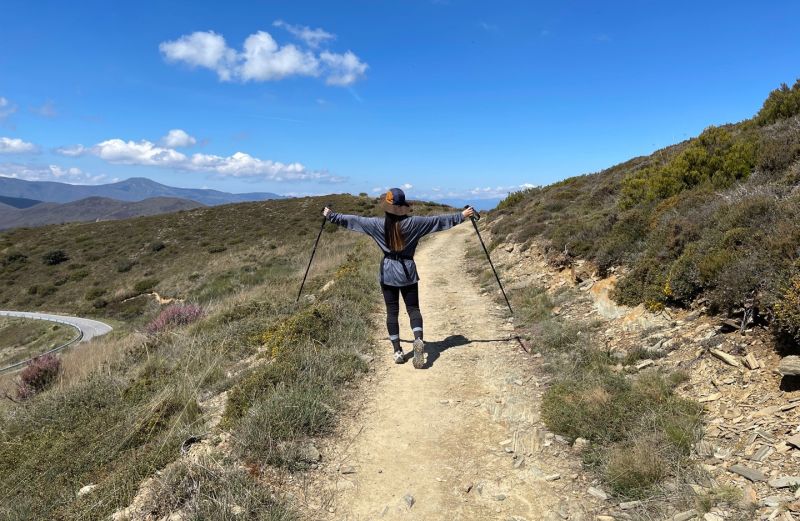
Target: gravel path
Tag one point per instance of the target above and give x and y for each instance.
(456, 440)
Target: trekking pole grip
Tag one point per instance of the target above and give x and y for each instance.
(476, 216)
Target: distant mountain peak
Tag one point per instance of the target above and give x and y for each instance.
(131, 189)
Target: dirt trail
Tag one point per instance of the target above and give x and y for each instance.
(459, 436)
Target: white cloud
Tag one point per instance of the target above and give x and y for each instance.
(72, 151)
(407, 186)
(10, 145)
(312, 37)
(178, 138)
(48, 173)
(202, 49)
(6, 108)
(263, 59)
(239, 164)
(485, 192)
(137, 153)
(343, 69)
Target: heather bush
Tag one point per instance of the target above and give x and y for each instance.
(39, 374)
(125, 265)
(777, 152)
(175, 315)
(54, 257)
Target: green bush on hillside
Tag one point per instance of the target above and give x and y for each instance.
(51, 258)
(716, 158)
(514, 198)
(782, 103)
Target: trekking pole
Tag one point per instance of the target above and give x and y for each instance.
(324, 219)
(475, 218)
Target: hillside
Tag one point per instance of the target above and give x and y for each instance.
(16, 202)
(201, 254)
(221, 364)
(90, 209)
(133, 189)
(713, 221)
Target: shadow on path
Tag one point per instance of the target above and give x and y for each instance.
(434, 349)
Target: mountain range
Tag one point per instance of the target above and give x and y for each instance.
(89, 209)
(133, 189)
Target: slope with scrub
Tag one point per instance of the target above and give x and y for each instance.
(124, 405)
(715, 219)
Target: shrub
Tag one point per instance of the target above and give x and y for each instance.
(94, 293)
(272, 429)
(632, 468)
(716, 158)
(125, 265)
(54, 257)
(217, 249)
(208, 489)
(39, 374)
(157, 246)
(312, 324)
(787, 309)
(782, 103)
(776, 153)
(13, 257)
(145, 285)
(620, 415)
(532, 304)
(175, 315)
(514, 198)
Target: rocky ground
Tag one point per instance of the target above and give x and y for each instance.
(751, 444)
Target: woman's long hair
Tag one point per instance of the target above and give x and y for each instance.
(392, 232)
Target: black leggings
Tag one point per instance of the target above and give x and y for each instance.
(391, 295)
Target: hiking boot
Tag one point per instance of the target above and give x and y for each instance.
(419, 353)
(399, 357)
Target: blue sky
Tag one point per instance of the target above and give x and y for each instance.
(453, 98)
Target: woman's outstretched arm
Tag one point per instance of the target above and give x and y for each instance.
(368, 225)
(438, 223)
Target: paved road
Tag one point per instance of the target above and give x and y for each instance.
(89, 328)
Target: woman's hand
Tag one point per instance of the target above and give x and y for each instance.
(468, 212)
(326, 211)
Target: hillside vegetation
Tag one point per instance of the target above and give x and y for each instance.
(239, 367)
(715, 219)
(102, 269)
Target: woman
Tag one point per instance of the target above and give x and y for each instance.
(397, 235)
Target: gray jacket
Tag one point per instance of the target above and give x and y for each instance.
(398, 269)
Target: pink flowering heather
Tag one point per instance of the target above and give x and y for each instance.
(175, 315)
(40, 373)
